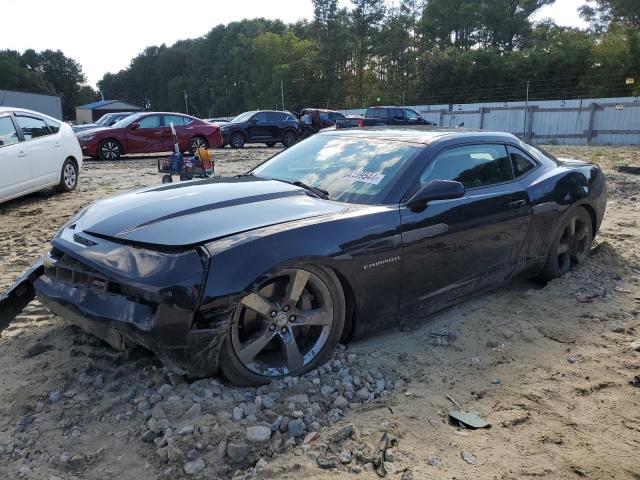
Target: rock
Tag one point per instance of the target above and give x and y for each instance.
(268, 402)
(335, 415)
(194, 411)
(237, 452)
(363, 394)
(351, 358)
(326, 391)
(327, 462)
(345, 457)
(341, 402)
(492, 344)
(99, 380)
(55, 397)
(186, 430)
(507, 334)
(635, 346)
(258, 434)
(389, 456)
(300, 398)
(249, 409)
(468, 457)
(434, 461)
(311, 437)
(296, 428)
(262, 463)
(343, 433)
(389, 467)
(194, 467)
(407, 475)
(149, 436)
(237, 414)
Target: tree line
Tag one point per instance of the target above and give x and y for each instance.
(417, 52)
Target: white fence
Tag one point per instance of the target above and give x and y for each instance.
(597, 121)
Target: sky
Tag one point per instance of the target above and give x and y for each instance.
(104, 36)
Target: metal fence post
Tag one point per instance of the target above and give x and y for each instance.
(528, 134)
(592, 117)
(441, 120)
(483, 110)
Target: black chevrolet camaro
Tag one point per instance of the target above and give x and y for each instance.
(346, 233)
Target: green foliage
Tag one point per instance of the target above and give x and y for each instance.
(48, 72)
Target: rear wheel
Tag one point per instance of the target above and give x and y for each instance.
(237, 140)
(571, 245)
(288, 326)
(68, 176)
(289, 139)
(197, 142)
(109, 150)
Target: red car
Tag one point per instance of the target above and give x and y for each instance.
(148, 133)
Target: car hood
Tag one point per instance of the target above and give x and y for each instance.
(190, 213)
(93, 131)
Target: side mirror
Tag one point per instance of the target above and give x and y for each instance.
(435, 190)
(253, 121)
(134, 126)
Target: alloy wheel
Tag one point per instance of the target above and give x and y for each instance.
(289, 139)
(70, 176)
(283, 326)
(237, 140)
(110, 150)
(196, 143)
(574, 244)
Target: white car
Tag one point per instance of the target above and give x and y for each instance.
(36, 152)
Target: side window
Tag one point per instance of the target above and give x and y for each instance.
(473, 166)
(177, 120)
(8, 133)
(32, 127)
(411, 115)
(261, 117)
(521, 162)
(151, 121)
(275, 117)
(397, 114)
(380, 113)
(324, 116)
(53, 125)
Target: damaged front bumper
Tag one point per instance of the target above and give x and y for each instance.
(127, 295)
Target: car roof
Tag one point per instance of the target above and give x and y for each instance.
(419, 134)
(25, 110)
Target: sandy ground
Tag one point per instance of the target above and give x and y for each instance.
(550, 367)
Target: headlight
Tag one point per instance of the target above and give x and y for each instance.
(86, 138)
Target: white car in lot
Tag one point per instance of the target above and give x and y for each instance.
(36, 152)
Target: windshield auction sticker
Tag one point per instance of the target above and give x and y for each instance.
(360, 176)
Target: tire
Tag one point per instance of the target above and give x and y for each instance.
(271, 144)
(289, 139)
(237, 140)
(284, 344)
(167, 179)
(109, 149)
(68, 176)
(571, 246)
(197, 142)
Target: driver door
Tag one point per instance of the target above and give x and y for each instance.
(455, 247)
(150, 136)
(259, 127)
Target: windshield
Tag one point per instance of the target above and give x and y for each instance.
(243, 117)
(353, 170)
(126, 121)
(104, 120)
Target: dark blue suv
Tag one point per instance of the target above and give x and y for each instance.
(263, 126)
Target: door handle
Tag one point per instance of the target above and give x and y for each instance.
(517, 204)
(57, 145)
(22, 154)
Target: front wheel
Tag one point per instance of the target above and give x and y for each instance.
(289, 139)
(109, 150)
(571, 246)
(237, 140)
(68, 176)
(288, 326)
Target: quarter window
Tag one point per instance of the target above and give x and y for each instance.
(177, 120)
(8, 133)
(521, 163)
(473, 166)
(32, 127)
(152, 121)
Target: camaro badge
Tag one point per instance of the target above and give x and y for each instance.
(381, 262)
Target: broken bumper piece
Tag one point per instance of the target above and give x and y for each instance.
(18, 296)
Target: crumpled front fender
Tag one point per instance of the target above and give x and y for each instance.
(19, 294)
